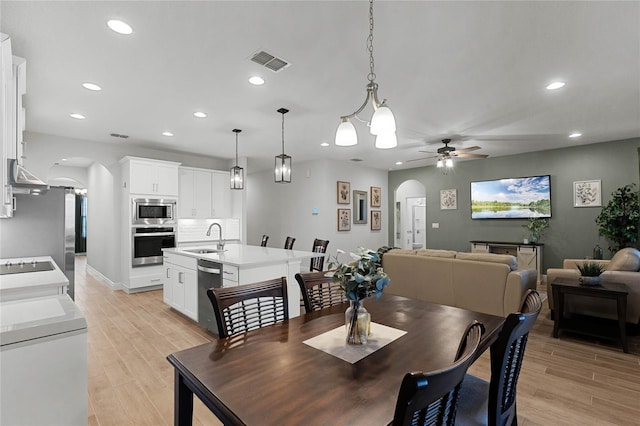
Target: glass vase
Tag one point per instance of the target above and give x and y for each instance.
(357, 321)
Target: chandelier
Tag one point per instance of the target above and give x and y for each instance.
(237, 172)
(383, 124)
(282, 172)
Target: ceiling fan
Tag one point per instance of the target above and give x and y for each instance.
(448, 152)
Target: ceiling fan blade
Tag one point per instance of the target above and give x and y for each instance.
(428, 152)
(420, 159)
(465, 155)
(471, 148)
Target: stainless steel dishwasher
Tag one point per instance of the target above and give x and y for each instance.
(209, 276)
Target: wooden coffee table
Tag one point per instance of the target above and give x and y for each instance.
(606, 290)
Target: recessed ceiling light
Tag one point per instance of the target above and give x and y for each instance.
(64, 159)
(398, 163)
(555, 85)
(324, 144)
(77, 116)
(167, 134)
(575, 135)
(92, 86)
(120, 27)
(199, 114)
(256, 81)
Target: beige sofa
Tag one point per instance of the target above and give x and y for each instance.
(481, 282)
(624, 268)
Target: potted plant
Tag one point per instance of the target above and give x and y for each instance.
(619, 220)
(590, 273)
(536, 227)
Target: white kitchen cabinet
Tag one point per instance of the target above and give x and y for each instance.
(221, 202)
(196, 190)
(181, 287)
(151, 177)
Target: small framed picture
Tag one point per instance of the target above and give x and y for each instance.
(376, 220)
(448, 199)
(344, 219)
(376, 196)
(344, 193)
(587, 193)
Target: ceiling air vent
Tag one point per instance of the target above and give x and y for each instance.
(118, 135)
(270, 61)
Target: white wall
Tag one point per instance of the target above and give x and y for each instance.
(279, 210)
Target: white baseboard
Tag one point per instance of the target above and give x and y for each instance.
(98, 275)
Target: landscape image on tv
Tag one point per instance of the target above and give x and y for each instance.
(514, 198)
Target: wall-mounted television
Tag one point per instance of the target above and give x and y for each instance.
(513, 198)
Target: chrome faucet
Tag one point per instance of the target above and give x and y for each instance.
(221, 241)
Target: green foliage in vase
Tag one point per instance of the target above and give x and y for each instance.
(536, 227)
(619, 220)
(363, 276)
(591, 269)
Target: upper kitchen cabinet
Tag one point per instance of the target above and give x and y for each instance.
(150, 177)
(196, 189)
(221, 204)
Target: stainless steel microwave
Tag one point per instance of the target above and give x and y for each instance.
(148, 211)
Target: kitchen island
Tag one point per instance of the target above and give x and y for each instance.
(28, 277)
(238, 264)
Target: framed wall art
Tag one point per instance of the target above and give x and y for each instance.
(344, 219)
(360, 212)
(448, 199)
(587, 193)
(376, 220)
(376, 196)
(344, 193)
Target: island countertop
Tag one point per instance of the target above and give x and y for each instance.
(243, 255)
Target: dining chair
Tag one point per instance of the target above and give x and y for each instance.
(494, 402)
(288, 244)
(430, 398)
(247, 307)
(319, 246)
(263, 243)
(319, 291)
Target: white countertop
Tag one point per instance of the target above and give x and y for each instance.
(28, 319)
(244, 255)
(11, 282)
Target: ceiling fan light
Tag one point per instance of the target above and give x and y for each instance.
(440, 164)
(386, 141)
(382, 121)
(448, 163)
(346, 134)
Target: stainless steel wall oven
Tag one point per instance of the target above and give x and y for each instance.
(147, 243)
(149, 211)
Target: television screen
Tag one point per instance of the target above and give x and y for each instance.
(514, 198)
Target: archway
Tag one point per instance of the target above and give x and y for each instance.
(410, 215)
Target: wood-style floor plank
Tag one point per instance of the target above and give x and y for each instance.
(572, 380)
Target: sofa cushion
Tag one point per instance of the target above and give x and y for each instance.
(401, 251)
(627, 259)
(507, 259)
(449, 254)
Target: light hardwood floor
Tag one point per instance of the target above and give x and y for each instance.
(566, 381)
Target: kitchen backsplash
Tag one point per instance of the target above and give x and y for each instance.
(195, 230)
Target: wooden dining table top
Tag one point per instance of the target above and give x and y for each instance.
(270, 377)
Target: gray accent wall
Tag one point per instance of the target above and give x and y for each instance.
(572, 233)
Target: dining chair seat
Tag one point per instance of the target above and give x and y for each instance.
(494, 403)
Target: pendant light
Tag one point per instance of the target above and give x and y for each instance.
(383, 124)
(237, 172)
(283, 161)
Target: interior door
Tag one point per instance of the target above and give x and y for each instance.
(416, 223)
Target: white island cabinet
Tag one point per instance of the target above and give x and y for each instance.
(241, 264)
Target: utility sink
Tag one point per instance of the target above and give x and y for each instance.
(205, 251)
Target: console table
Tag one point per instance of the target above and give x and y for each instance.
(529, 255)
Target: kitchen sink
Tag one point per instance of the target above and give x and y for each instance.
(205, 251)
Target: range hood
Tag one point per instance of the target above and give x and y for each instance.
(23, 181)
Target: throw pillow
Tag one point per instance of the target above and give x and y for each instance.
(627, 259)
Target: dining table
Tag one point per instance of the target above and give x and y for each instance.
(276, 376)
